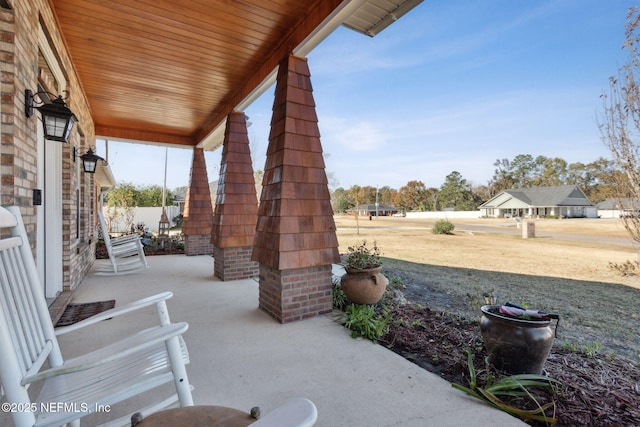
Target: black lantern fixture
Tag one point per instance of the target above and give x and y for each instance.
(57, 118)
(90, 161)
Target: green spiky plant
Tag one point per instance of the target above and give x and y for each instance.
(511, 386)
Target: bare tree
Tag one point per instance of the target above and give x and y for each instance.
(620, 128)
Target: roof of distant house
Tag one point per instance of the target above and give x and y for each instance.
(561, 195)
(615, 203)
(372, 207)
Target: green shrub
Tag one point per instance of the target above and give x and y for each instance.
(364, 322)
(443, 227)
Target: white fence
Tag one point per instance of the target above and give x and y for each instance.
(444, 214)
(608, 213)
(590, 213)
(119, 220)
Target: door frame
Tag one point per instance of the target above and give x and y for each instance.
(49, 219)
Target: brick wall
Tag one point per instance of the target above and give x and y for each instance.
(198, 244)
(81, 240)
(296, 294)
(234, 263)
(22, 67)
(12, 127)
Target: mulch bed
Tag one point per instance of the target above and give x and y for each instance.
(170, 249)
(596, 390)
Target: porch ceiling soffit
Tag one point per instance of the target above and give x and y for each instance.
(170, 72)
(376, 15)
(104, 175)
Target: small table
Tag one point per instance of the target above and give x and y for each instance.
(198, 416)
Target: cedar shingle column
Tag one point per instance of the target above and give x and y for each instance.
(198, 213)
(295, 241)
(236, 213)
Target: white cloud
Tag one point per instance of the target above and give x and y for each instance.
(353, 134)
(430, 143)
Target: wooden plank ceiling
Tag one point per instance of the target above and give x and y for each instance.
(170, 71)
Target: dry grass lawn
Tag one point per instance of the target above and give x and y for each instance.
(412, 240)
(556, 274)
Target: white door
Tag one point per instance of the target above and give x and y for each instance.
(49, 214)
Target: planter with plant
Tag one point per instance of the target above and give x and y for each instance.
(518, 340)
(363, 282)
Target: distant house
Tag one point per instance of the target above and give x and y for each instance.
(617, 208)
(567, 201)
(371, 210)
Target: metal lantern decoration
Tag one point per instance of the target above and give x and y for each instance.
(57, 118)
(164, 225)
(90, 161)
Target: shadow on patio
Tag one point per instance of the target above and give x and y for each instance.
(241, 357)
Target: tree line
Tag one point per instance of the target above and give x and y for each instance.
(597, 179)
(127, 195)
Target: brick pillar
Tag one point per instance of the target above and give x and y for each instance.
(236, 213)
(198, 213)
(295, 240)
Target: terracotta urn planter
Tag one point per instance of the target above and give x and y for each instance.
(516, 346)
(363, 286)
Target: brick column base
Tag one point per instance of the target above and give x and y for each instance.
(198, 244)
(296, 294)
(234, 263)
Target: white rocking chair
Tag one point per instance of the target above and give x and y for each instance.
(116, 372)
(126, 253)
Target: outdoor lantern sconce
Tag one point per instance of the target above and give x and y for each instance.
(90, 161)
(57, 118)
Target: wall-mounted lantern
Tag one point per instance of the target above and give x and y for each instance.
(57, 118)
(90, 161)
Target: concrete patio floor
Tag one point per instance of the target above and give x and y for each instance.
(241, 357)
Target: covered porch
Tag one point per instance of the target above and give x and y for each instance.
(180, 75)
(241, 357)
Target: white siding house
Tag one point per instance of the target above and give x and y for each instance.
(567, 201)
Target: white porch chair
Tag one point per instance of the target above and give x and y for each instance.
(116, 372)
(126, 253)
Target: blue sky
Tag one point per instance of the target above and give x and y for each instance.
(451, 86)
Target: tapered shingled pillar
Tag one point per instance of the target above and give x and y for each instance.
(295, 240)
(236, 212)
(198, 213)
